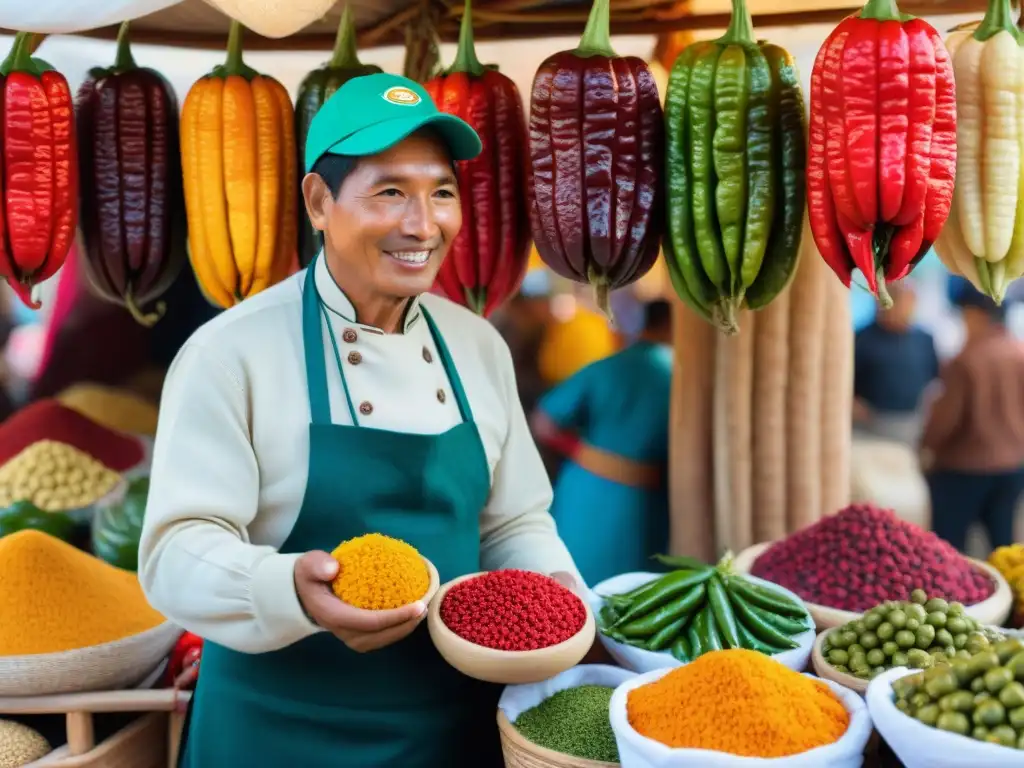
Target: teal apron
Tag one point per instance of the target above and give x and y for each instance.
(317, 703)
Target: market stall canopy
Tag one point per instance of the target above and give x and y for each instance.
(199, 24)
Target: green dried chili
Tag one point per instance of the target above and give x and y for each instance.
(574, 722)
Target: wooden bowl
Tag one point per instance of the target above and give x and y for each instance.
(520, 752)
(826, 671)
(993, 610)
(506, 667)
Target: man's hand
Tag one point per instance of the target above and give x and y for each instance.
(359, 629)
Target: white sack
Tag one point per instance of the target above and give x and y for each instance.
(516, 699)
(921, 746)
(61, 17)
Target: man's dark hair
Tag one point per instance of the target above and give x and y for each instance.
(657, 315)
(334, 169)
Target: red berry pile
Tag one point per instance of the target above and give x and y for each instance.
(513, 610)
(864, 556)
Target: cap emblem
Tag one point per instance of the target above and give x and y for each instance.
(399, 94)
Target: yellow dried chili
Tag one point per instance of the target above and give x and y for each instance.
(379, 572)
(740, 702)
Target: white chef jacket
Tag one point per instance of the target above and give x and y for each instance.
(232, 451)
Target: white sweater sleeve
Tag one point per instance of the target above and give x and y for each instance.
(196, 563)
(516, 528)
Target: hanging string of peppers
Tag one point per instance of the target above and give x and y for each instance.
(735, 162)
(39, 179)
(241, 181)
(983, 239)
(882, 158)
(596, 143)
(316, 88)
(132, 202)
(487, 260)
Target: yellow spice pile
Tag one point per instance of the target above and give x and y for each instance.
(54, 597)
(378, 572)
(740, 702)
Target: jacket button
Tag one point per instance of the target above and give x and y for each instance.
(365, 408)
(441, 397)
(349, 335)
(427, 356)
(355, 358)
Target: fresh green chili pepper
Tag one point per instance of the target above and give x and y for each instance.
(671, 586)
(681, 648)
(668, 635)
(659, 618)
(779, 264)
(757, 626)
(768, 599)
(752, 643)
(712, 636)
(784, 624)
(722, 613)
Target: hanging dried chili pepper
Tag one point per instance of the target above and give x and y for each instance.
(241, 183)
(318, 86)
(983, 240)
(596, 138)
(40, 170)
(133, 206)
(882, 157)
(486, 262)
(735, 162)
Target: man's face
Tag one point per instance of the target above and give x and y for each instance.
(393, 220)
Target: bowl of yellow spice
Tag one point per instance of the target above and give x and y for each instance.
(379, 573)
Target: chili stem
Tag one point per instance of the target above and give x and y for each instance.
(345, 54)
(880, 10)
(145, 319)
(883, 293)
(998, 18)
(476, 300)
(741, 25)
(124, 61)
(597, 35)
(465, 57)
(20, 57)
(234, 64)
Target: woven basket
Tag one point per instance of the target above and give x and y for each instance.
(520, 753)
(143, 744)
(110, 666)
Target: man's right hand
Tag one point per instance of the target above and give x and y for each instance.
(359, 629)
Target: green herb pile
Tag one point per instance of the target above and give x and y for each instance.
(574, 722)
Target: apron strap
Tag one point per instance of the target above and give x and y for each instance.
(449, 368)
(313, 345)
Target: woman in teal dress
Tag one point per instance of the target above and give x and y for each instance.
(611, 421)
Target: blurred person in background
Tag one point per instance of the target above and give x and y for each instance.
(972, 448)
(610, 421)
(894, 362)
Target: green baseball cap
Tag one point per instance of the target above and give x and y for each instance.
(371, 113)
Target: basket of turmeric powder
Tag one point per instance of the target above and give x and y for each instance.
(72, 623)
(735, 708)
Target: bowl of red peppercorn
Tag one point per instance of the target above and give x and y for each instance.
(847, 563)
(510, 626)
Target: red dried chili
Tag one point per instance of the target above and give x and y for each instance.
(51, 420)
(513, 610)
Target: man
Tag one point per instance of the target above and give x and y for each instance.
(611, 421)
(973, 442)
(893, 364)
(343, 401)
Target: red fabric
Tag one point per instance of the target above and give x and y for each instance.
(68, 290)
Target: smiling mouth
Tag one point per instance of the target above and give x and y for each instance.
(410, 258)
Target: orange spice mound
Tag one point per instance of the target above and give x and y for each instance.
(54, 598)
(379, 572)
(740, 702)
